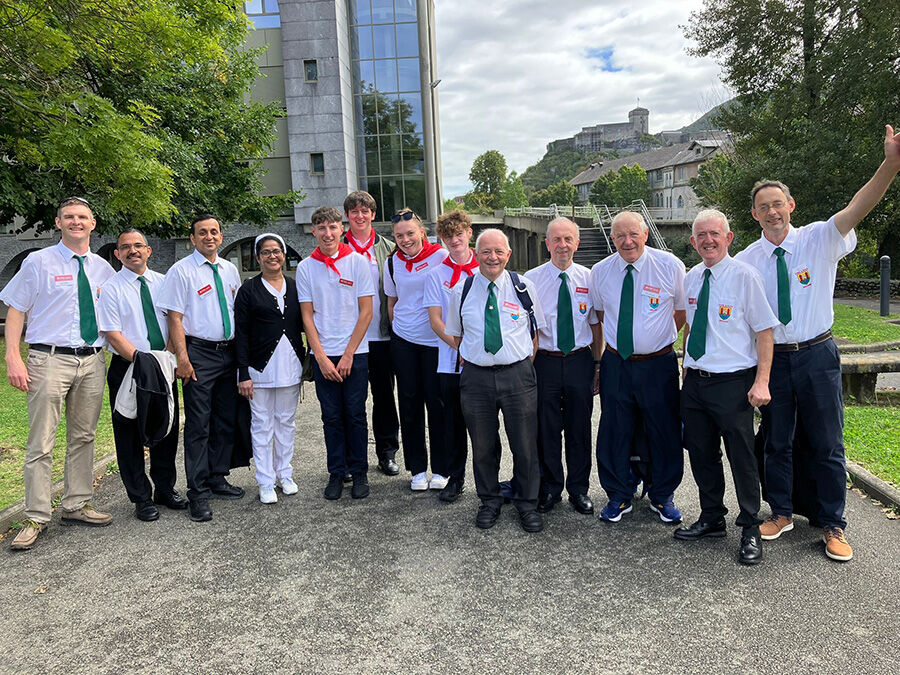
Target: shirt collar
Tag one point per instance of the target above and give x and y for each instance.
(788, 244)
(637, 264)
(200, 259)
(127, 275)
(556, 271)
(66, 252)
(499, 283)
(719, 268)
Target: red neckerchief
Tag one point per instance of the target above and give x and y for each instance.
(427, 249)
(343, 251)
(459, 269)
(362, 250)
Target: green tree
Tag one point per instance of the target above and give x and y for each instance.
(562, 193)
(630, 184)
(513, 195)
(602, 189)
(488, 174)
(139, 106)
(556, 165)
(450, 204)
(813, 98)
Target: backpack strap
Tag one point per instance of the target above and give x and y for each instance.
(524, 298)
(390, 264)
(467, 286)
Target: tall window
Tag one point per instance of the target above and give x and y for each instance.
(263, 13)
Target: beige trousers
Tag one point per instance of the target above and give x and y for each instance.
(79, 381)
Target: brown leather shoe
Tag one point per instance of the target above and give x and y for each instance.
(836, 546)
(27, 535)
(774, 526)
(86, 515)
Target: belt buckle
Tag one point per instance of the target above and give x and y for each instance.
(791, 346)
(704, 373)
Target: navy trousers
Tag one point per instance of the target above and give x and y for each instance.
(385, 424)
(343, 407)
(455, 439)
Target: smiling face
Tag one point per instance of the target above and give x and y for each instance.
(562, 242)
(76, 222)
(360, 219)
(492, 253)
(629, 236)
(772, 210)
(410, 236)
(270, 256)
(328, 235)
(206, 236)
(133, 252)
(711, 240)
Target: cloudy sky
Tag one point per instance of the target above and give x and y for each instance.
(516, 74)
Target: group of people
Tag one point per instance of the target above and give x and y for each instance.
(465, 339)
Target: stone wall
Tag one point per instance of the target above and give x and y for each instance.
(864, 287)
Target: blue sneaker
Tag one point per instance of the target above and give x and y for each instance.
(613, 511)
(666, 511)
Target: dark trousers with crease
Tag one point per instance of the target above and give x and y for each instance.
(385, 424)
(715, 409)
(130, 448)
(565, 402)
(455, 439)
(343, 407)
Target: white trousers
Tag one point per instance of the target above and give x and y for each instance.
(272, 428)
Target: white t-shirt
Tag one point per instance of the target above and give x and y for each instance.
(438, 293)
(120, 308)
(410, 315)
(546, 281)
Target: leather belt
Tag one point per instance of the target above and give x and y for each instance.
(642, 357)
(708, 374)
(68, 351)
(222, 346)
(502, 366)
(547, 352)
(797, 346)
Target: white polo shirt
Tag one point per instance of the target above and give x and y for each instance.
(190, 289)
(438, 293)
(46, 289)
(120, 307)
(515, 328)
(373, 334)
(410, 315)
(811, 255)
(335, 300)
(546, 280)
(658, 291)
(737, 311)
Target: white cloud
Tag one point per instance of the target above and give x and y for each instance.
(516, 74)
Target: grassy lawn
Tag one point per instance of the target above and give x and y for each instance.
(864, 326)
(872, 438)
(14, 433)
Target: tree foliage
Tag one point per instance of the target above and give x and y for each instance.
(138, 106)
(562, 193)
(556, 165)
(487, 174)
(621, 187)
(513, 195)
(815, 88)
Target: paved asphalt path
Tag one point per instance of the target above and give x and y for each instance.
(402, 583)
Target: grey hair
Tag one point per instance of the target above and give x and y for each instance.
(561, 219)
(710, 214)
(628, 215)
(492, 230)
(762, 184)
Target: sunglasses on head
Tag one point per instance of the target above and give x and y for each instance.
(69, 200)
(397, 217)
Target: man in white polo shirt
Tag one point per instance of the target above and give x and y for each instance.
(491, 320)
(57, 289)
(568, 347)
(727, 361)
(798, 267)
(335, 288)
(639, 296)
(131, 320)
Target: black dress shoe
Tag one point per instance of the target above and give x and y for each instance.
(348, 478)
(700, 529)
(582, 504)
(750, 552)
(225, 490)
(532, 521)
(388, 466)
(452, 491)
(335, 487)
(199, 511)
(360, 489)
(146, 511)
(487, 516)
(547, 502)
(172, 499)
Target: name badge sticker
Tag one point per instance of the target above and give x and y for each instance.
(422, 266)
(581, 289)
(650, 291)
(692, 301)
(511, 306)
(345, 282)
(203, 291)
(60, 278)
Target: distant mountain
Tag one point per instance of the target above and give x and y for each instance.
(707, 121)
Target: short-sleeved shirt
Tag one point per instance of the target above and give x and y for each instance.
(438, 293)
(46, 289)
(547, 282)
(811, 255)
(410, 315)
(190, 289)
(120, 307)
(658, 292)
(736, 312)
(515, 326)
(335, 299)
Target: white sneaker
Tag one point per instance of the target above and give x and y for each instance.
(267, 494)
(288, 486)
(438, 482)
(419, 482)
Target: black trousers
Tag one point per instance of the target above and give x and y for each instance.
(130, 449)
(455, 440)
(210, 408)
(343, 407)
(716, 409)
(512, 389)
(385, 424)
(565, 400)
(418, 390)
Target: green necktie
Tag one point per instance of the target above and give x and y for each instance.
(697, 338)
(223, 304)
(86, 316)
(565, 325)
(154, 334)
(625, 329)
(784, 288)
(493, 341)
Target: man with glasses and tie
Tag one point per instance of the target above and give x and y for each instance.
(131, 320)
(57, 288)
(638, 294)
(798, 267)
(568, 347)
(198, 294)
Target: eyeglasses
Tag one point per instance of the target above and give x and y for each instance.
(271, 253)
(137, 247)
(764, 208)
(69, 200)
(397, 217)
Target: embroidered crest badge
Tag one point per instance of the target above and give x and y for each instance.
(803, 277)
(725, 312)
(582, 307)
